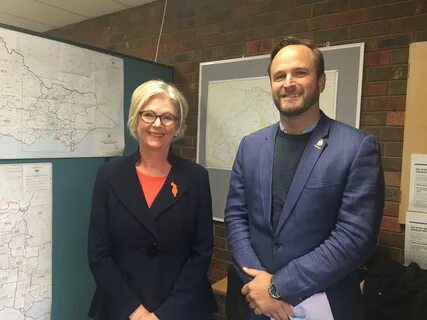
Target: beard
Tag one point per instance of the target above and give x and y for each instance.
(294, 111)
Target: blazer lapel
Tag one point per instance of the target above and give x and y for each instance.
(265, 172)
(128, 189)
(315, 146)
(174, 188)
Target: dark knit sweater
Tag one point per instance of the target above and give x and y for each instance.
(288, 149)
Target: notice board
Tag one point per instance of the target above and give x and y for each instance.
(415, 132)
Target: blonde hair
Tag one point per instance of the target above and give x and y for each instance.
(149, 89)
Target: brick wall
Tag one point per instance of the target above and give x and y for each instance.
(205, 30)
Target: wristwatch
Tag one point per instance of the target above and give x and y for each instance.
(273, 292)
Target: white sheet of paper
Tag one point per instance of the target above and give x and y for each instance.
(315, 307)
(418, 183)
(416, 238)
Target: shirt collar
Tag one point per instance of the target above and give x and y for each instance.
(306, 130)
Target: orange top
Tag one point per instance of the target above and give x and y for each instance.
(150, 186)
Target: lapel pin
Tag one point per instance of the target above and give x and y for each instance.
(319, 144)
(174, 189)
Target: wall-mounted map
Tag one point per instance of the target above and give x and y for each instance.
(58, 100)
(25, 241)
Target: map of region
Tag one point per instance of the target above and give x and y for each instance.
(26, 241)
(235, 108)
(58, 100)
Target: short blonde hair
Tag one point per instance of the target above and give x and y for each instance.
(149, 89)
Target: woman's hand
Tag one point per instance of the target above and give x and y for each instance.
(140, 313)
(151, 316)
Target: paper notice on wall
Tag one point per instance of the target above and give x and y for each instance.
(416, 238)
(418, 184)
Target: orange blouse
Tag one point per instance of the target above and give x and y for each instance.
(150, 186)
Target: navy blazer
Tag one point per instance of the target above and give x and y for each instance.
(330, 220)
(158, 256)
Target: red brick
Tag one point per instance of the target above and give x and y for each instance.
(216, 275)
(393, 149)
(219, 264)
(188, 152)
(219, 229)
(371, 89)
(420, 6)
(289, 15)
(207, 30)
(392, 194)
(349, 17)
(392, 164)
(179, 35)
(221, 254)
(331, 6)
(413, 23)
(185, 141)
(388, 42)
(392, 239)
(235, 50)
(171, 47)
(323, 36)
(318, 23)
(369, 29)
(187, 66)
(396, 118)
(391, 209)
(185, 56)
(220, 243)
(373, 118)
(376, 58)
(399, 56)
(397, 87)
(392, 11)
(395, 103)
(386, 73)
(256, 46)
(420, 36)
(390, 224)
(249, 10)
(366, 3)
(392, 179)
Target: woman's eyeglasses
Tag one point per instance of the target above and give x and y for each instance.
(150, 117)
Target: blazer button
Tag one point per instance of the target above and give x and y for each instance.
(276, 245)
(153, 250)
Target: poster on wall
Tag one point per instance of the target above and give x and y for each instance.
(26, 241)
(58, 100)
(416, 216)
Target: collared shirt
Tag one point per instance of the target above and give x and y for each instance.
(306, 130)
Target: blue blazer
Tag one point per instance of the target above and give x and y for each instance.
(329, 223)
(158, 256)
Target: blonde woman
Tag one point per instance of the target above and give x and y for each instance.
(150, 234)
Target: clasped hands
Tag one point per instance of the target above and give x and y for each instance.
(258, 298)
(142, 314)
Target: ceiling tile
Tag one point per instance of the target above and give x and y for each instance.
(89, 9)
(133, 3)
(39, 12)
(24, 23)
(45, 15)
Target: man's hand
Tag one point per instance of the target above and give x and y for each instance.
(256, 292)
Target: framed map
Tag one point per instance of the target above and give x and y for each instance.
(235, 100)
(58, 100)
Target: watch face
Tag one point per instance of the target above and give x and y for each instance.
(272, 290)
